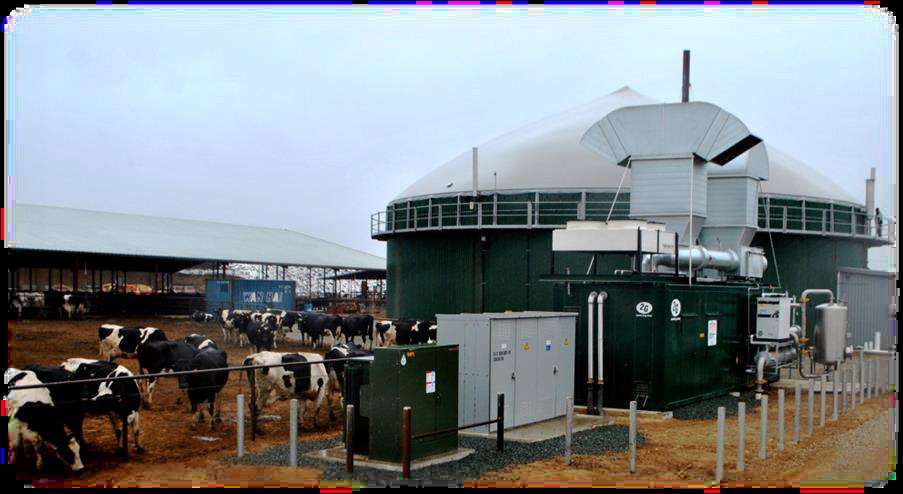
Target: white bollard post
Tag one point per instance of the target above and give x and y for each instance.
(719, 466)
(796, 414)
(741, 435)
(632, 437)
(853, 392)
(568, 429)
(862, 378)
(877, 345)
(834, 385)
(868, 380)
(240, 420)
(780, 420)
(763, 428)
(293, 434)
(843, 391)
(821, 412)
(810, 420)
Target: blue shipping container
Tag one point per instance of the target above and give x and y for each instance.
(250, 294)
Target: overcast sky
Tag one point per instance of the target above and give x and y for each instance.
(312, 119)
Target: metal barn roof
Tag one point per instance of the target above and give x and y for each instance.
(56, 229)
(547, 156)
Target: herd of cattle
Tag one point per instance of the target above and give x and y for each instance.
(51, 417)
(53, 303)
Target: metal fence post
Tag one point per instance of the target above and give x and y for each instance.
(349, 438)
(293, 433)
(796, 414)
(868, 380)
(843, 391)
(253, 380)
(811, 415)
(568, 428)
(834, 385)
(780, 420)
(500, 429)
(821, 406)
(741, 435)
(763, 428)
(632, 438)
(240, 420)
(406, 443)
(861, 377)
(853, 393)
(719, 466)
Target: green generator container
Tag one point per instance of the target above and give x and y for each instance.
(666, 343)
(423, 377)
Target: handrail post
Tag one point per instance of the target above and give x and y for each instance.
(500, 429)
(406, 443)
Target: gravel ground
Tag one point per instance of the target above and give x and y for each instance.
(708, 409)
(482, 460)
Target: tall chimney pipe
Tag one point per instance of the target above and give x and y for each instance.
(685, 89)
(870, 195)
(476, 173)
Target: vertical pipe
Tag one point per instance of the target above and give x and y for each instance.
(293, 433)
(834, 385)
(719, 466)
(590, 343)
(741, 435)
(811, 415)
(240, 420)
(780, 420)
(821, 406)
(861, 377)
(252, 378)
(868, 379)
(853, 388)
(685, 86)
(406, 443)
(568, 428)
(763, 427)
(796, 414)
(843, 391)
(500, 428)
(877, 345)
(632, 438)
(349, 439)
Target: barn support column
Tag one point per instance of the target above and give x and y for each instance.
(156, 304)
(30, 281)
(75, 277)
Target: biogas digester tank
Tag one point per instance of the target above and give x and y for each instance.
(830, 332)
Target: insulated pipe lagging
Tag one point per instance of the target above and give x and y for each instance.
(697, 256)
(600, 304)
(590, 313)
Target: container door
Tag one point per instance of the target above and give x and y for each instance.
(445, 375)
(564, 386)
(526, 363)
(502, 346)
(547, 367)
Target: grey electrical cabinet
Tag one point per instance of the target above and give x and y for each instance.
(528, 356)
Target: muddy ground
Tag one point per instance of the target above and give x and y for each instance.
(854, 449)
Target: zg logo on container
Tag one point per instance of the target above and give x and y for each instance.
(644, 309)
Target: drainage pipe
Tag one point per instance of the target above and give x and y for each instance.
(600, 355)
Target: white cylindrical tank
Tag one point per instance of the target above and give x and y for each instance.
(830, 333)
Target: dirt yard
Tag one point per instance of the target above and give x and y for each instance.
(853, 449)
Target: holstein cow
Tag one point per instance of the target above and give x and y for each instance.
(157, 356)
(118, 341)
(74, 305)
(116, 399)
(200, 342)
(433, 333)
(343, 350)
(34, 423)
(385, 333)
(412, 332)
(68, 399)
(206, 386)
(322, 326)
(260, 333)
(284, 319)
(198, 316)
(231, 321)
(358, 325)
(311, 382)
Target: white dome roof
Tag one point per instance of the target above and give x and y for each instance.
(547, 156)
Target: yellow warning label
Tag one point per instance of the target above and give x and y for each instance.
(410, 354)
(566, 342)
(527, 347)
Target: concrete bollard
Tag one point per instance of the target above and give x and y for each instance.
(568, 429)
(868, 380)
(853, 387)
(632, 438)
(719, 466)
(843, 391)
(834, 384)
(821, 410)
(293, 434)
(240, 420)
(796, 414)
(780, 420)
(741, 435)
(810, 419)
(861, 377)
(763, 427)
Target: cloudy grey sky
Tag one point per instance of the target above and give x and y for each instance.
(312, 119)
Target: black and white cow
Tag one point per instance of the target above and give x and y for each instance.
(284, 319)
(412, 332)
(385, 333)
(35, 424)
(116, 399)
(261, 333)
(198, 316)
(200, 342)
(322, 326)
(206, 386)
(343, 350)
(358, 325)
(158, 356)
(68, 400)
(312, 382)
(231, 321)
(433, 333)
(119, 341)
(74, 306)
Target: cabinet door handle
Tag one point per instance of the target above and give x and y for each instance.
(555, 370)
(512, 376)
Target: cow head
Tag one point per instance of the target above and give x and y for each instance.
(69, 453)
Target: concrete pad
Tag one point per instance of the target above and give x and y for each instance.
(641, 414)
(547, 429)
(337, 455)
(816, 385)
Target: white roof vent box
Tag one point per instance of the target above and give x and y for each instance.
(614, 236)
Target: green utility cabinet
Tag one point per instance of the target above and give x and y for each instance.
(424, 377)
